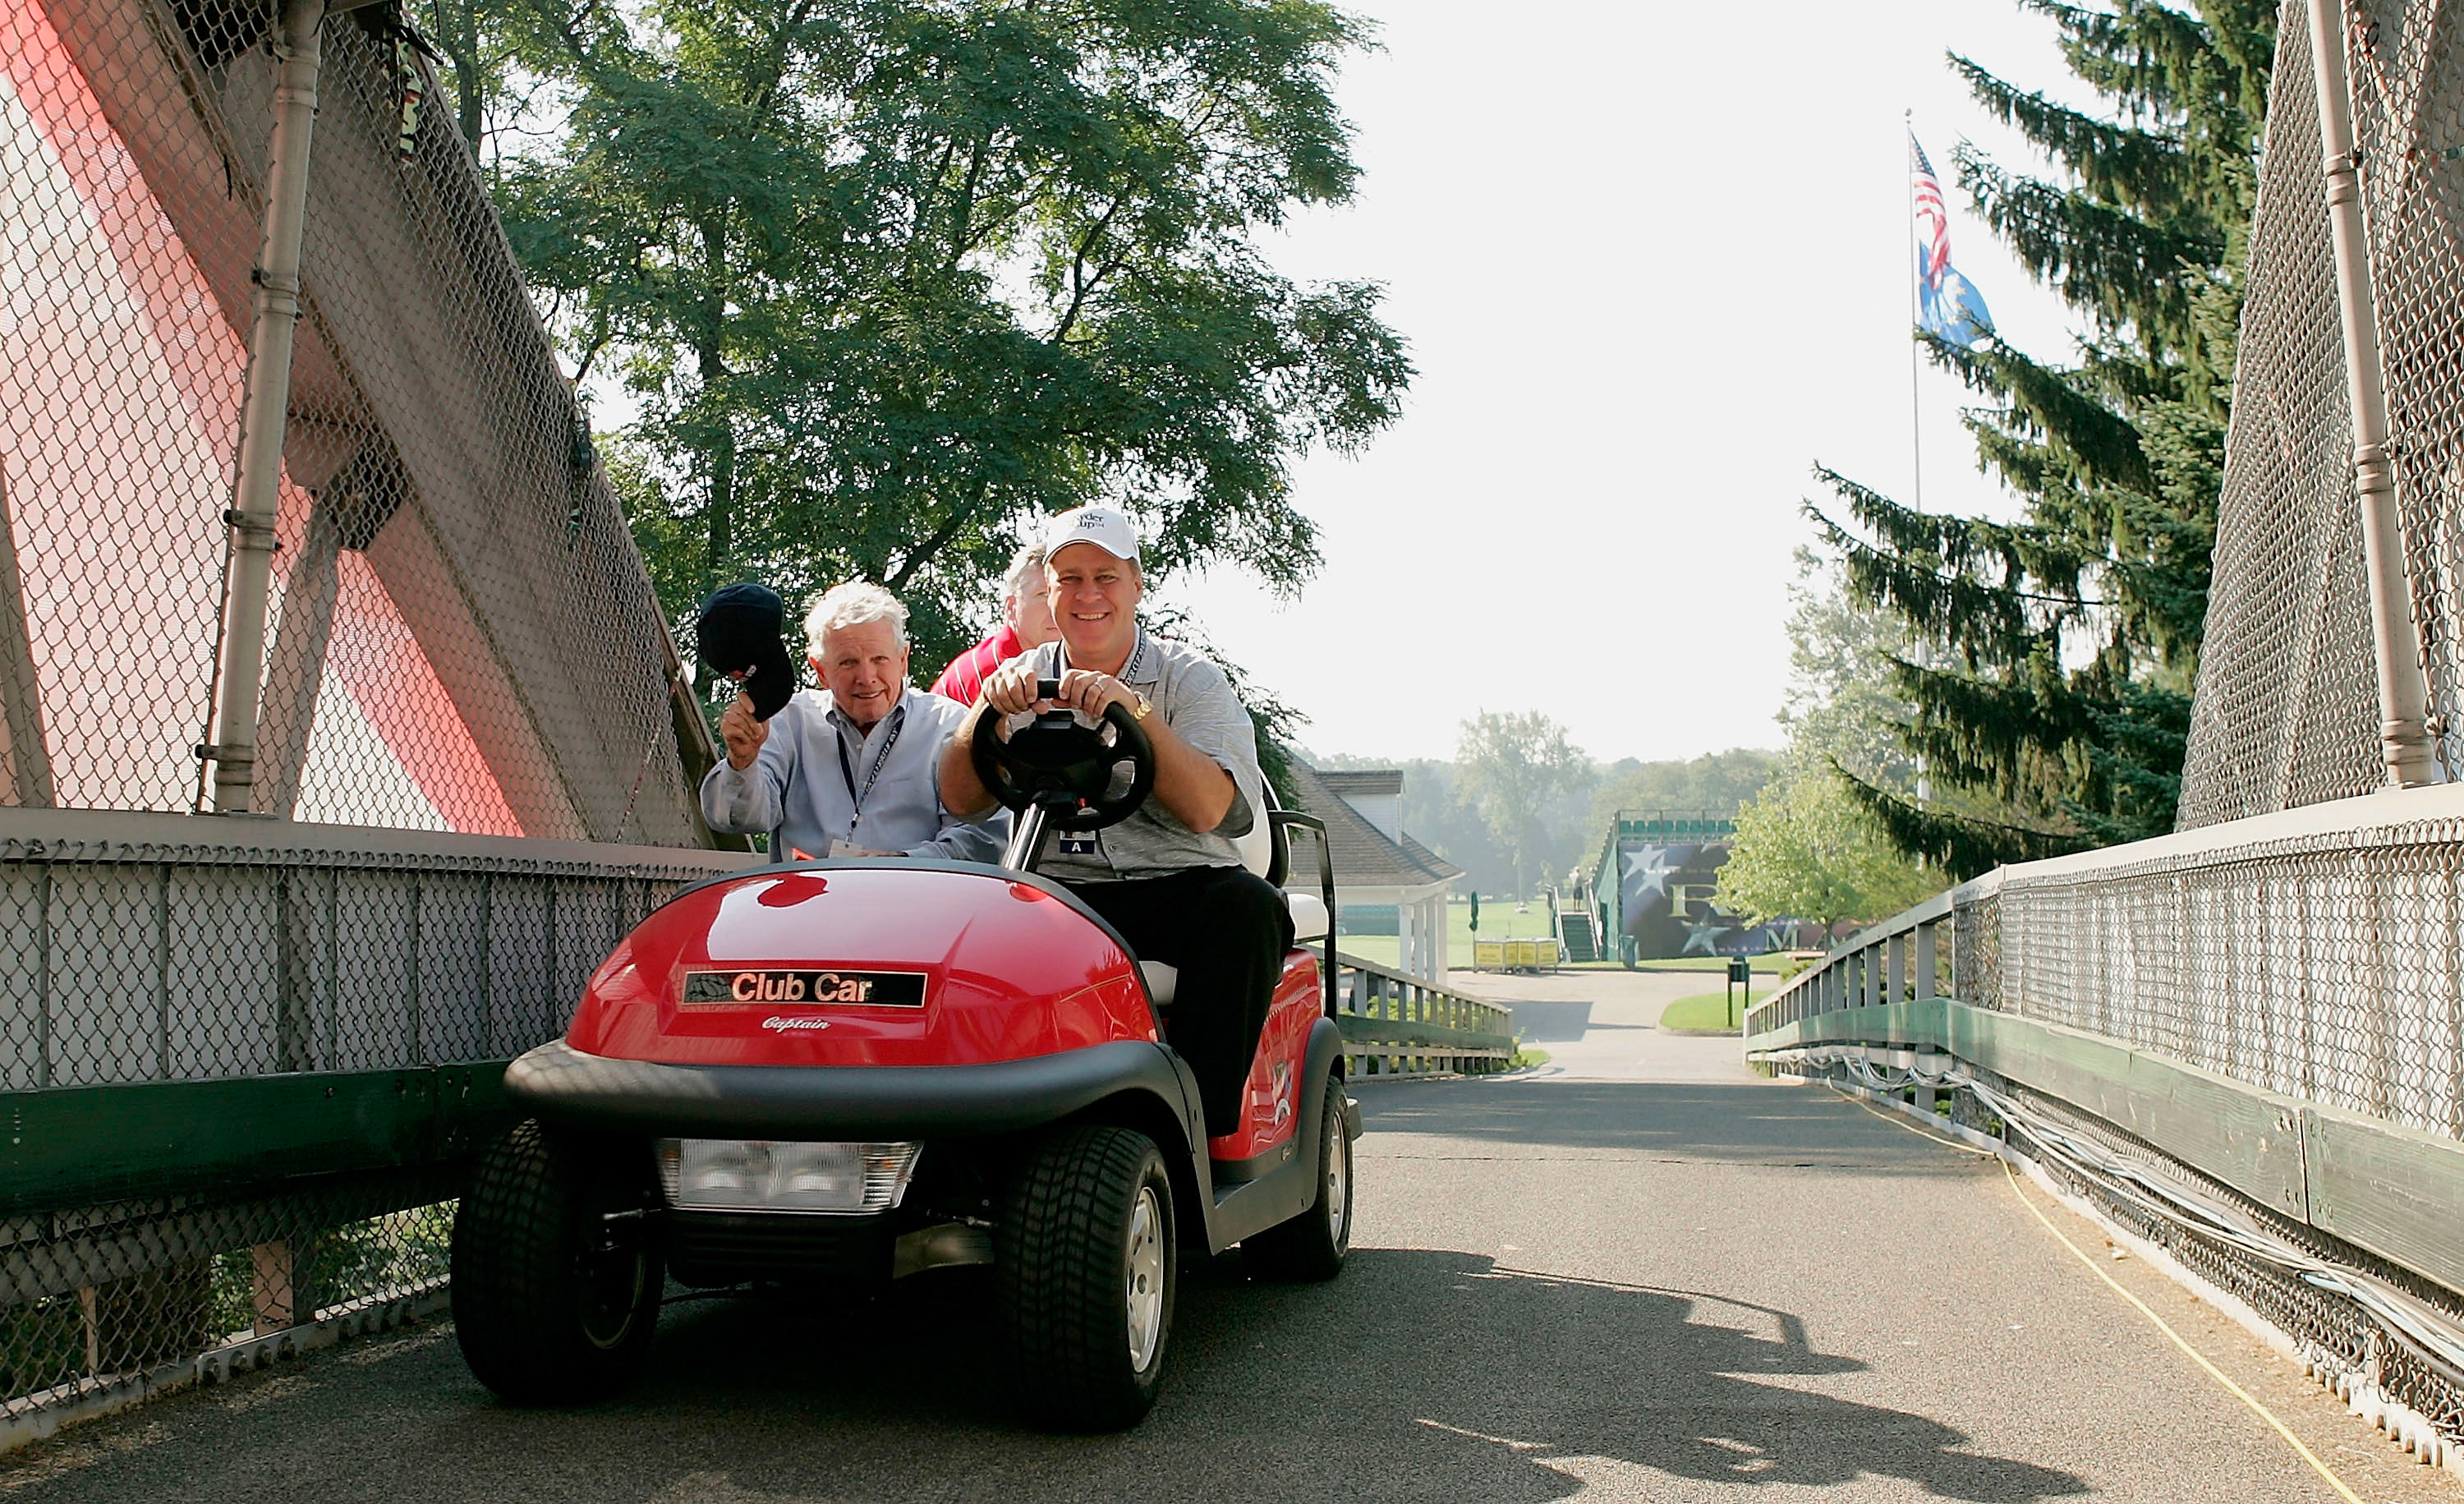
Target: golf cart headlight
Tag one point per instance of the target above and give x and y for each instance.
(771, 1175)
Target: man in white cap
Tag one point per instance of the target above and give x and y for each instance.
(1168, 877)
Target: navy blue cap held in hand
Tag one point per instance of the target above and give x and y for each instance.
(742, 628)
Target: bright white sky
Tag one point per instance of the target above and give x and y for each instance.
(1653, 262)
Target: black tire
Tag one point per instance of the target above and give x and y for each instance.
(1081, 1225)
(1314, 1244)
(553, 1304)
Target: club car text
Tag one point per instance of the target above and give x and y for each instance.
(770, 988)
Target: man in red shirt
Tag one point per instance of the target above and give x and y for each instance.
(1026, 624)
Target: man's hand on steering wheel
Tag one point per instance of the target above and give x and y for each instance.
(1082, 771)
(1011, 689)
(1091, 694)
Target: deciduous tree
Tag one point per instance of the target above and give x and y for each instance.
(1715, 783)
(1806, 848)
(1516, 766)
(894, 277)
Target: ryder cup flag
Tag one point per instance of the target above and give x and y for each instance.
(1949, 305)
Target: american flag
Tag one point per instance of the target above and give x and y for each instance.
(1948, 305)
(1933, 220)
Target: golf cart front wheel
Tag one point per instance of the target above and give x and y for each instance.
(557, 1270)
(1086, 1269)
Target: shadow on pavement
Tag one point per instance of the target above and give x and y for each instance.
(1418, 1374)
(1761, 1122)
(1543, 1020)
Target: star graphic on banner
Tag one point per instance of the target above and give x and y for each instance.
(1650, 864)
(1705, 934)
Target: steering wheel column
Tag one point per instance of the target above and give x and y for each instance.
(1060, 771)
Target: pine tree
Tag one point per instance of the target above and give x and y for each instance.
(2119, 455)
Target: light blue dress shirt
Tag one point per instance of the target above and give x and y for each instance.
(798, 787)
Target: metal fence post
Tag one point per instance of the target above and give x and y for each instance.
(265, 410)
(2404, 683)
(1927, 959)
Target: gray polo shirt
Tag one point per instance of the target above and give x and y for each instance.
(803, 787)
(1189, 694)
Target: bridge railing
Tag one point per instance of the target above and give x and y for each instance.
(1396, 1024)
(244, 1062)
(2244, 1041)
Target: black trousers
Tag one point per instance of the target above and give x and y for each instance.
(1227, 929)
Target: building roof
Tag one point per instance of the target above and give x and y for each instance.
(1426, 857)
(1367, 782)
(1363, 856)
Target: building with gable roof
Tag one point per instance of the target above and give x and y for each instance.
(1378, 869)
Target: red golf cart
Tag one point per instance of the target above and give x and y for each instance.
(833, 1072)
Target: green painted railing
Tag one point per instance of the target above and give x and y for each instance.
(2263, 1018)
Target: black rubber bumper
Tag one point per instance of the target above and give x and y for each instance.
(563, 1085)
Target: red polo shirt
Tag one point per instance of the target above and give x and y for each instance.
(963, 680)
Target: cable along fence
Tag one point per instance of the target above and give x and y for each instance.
(2244, 1042)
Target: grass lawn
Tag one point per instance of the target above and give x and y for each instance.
(1704, 1010)
(1498, 920)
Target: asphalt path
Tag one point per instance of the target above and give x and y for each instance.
(1639, 1275)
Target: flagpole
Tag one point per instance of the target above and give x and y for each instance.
(1908, 270)
(1916, 446)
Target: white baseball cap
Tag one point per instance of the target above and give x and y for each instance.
(1108, 528)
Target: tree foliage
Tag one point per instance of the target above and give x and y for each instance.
(1275, 720)
(1515, 765)
(1807, 849)
(1715, 783)
(2054, 657)
(893, 279)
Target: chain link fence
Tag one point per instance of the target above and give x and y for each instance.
(461, 634)
(2408, 80)
(2314, 957)
(2286, 708)
(247, 1059)
(246, 1062)
(2286, 711)
(2326, 966)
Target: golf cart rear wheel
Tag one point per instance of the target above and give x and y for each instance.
(1085, 1274)
(555, 1268)
(1314, 1244)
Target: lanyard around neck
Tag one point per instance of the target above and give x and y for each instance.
(846, 766)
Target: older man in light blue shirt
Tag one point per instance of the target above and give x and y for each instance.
(848, 770)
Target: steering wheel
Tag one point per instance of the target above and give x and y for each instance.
(1083, 777)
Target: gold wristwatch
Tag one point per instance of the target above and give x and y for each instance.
(1139, 714)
